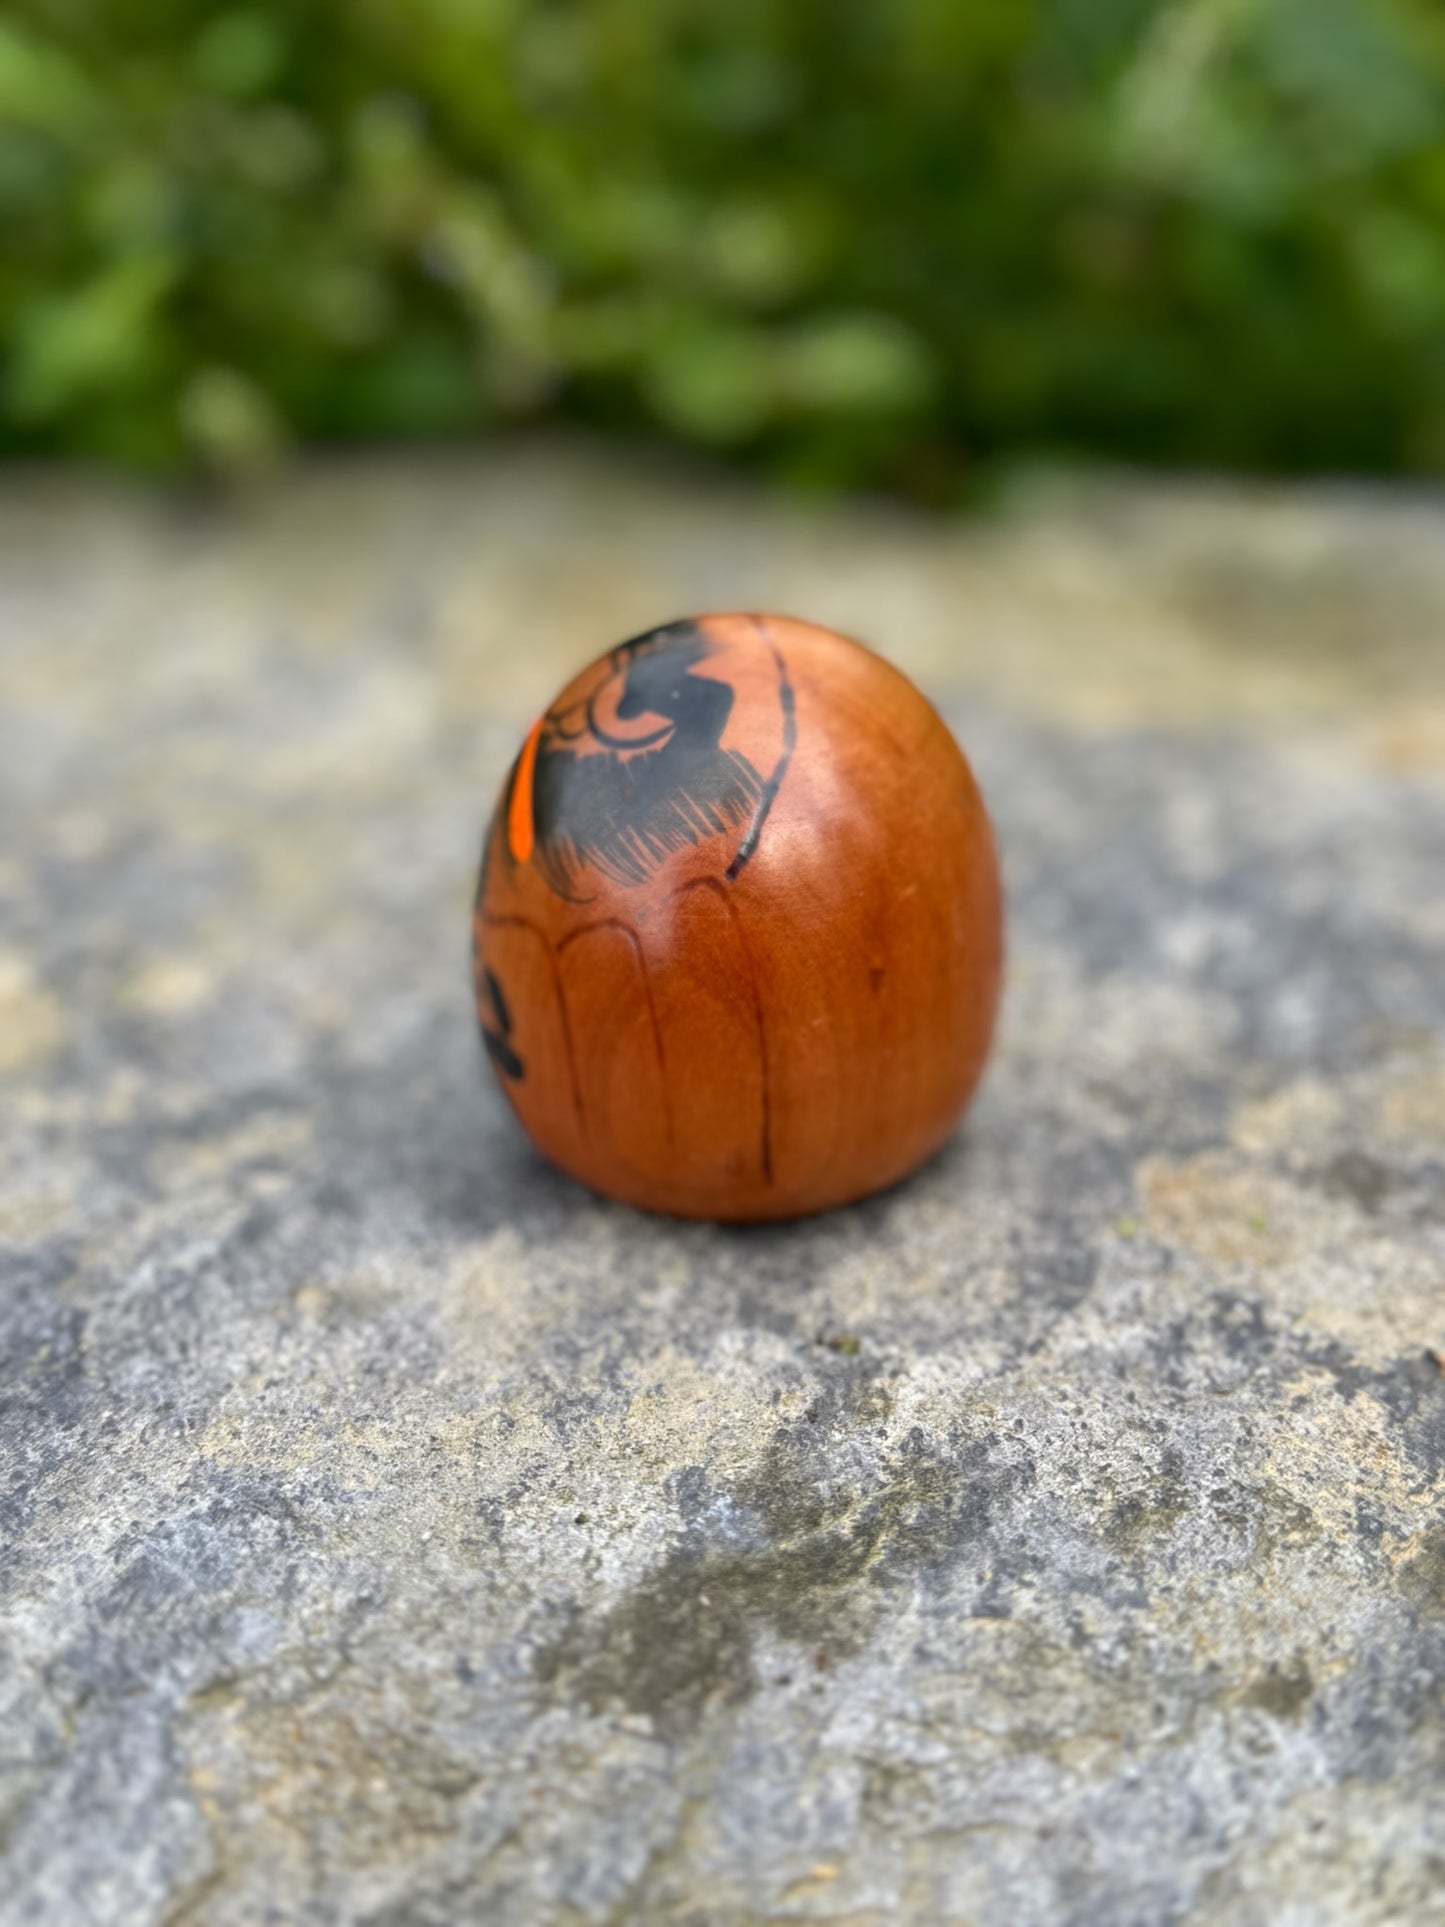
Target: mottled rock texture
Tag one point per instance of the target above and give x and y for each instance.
(394, 1533)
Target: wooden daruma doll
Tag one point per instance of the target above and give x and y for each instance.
(737, 940)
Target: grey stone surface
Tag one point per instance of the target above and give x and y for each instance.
(394, 1533)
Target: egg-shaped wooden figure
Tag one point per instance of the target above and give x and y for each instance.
(738, 933)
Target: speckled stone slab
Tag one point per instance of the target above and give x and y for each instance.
(394, 1533)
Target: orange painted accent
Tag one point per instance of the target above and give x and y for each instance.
(521, 831)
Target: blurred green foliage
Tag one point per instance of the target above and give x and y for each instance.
(863, 241)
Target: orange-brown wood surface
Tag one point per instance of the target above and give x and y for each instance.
(738, 934)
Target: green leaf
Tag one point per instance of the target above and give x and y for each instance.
(88, 339)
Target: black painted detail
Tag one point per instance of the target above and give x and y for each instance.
(775, 781)
(621, 799)
(502, 1054)
(499, 1002)
(499, 1048)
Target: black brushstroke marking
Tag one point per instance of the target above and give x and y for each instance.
(780, 770)
(622, 806)
(497, 1042)
(499, 1002)
(501, 921)
(502, 1055)
(626, 931)
(755, 1001)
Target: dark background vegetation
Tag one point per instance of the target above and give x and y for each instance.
(877, 243)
